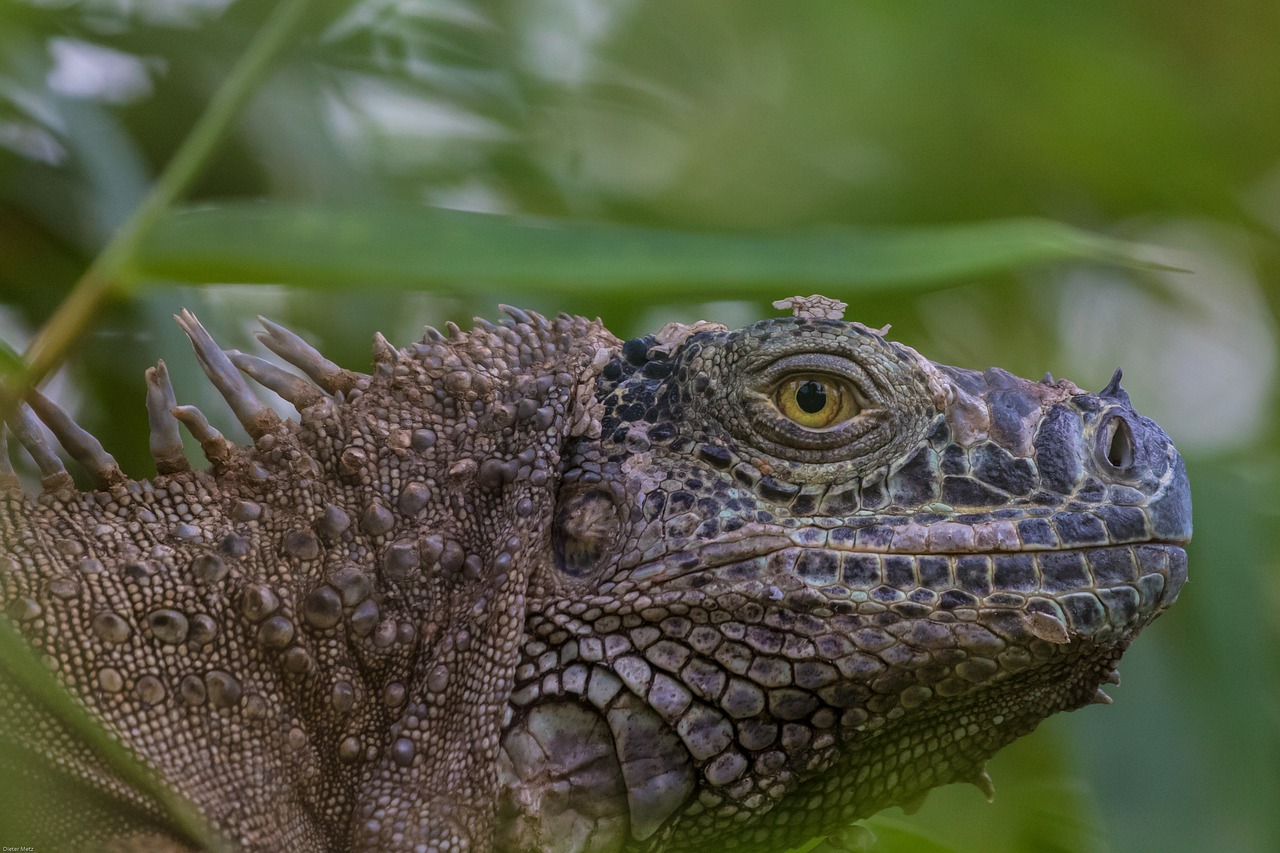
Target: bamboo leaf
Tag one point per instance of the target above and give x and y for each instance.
(894, 835)
(415, 247)
(878, 834)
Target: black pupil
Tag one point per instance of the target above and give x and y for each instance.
(811, 397)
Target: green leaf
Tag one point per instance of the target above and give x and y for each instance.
(879, 834)
(34, 787)
(415, 247)
(894, 835)
(10, 361)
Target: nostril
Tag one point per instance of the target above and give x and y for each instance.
(1118, 440)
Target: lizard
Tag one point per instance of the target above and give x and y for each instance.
(530, 587)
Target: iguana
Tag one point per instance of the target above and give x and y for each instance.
(529, 587)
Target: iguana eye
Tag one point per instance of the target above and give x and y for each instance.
(816, 402)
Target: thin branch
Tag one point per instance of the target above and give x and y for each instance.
(103, 279)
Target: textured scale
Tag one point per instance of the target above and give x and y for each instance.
(531, 588)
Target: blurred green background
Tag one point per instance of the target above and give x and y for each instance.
(747, 129)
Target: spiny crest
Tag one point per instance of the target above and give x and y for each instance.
(53, 474)
(295, 389)
(166, 439)
(521, 339)
(8, 477)
(457, 358)
(302, 355)
(475, 364)
(224, 368)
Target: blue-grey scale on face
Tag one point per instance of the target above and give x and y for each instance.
(795, 542)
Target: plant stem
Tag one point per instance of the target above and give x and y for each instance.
(103, 279)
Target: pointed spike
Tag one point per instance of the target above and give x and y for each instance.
(166, 439)
(982, 781)
(216, 449)
(383, 352)
(8, 477)
(53, 474)
(295, 389)
(1048, 378)
(516, 314)
(452, 330)
(1113, 677)
(1100, 698)
(256, 418)
(1113, 391)
(306, 358)
(82, 446)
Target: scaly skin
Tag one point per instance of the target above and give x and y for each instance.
(528, 588)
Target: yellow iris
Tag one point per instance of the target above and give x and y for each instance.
(816, 402)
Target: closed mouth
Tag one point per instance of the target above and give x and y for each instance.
(1094, 590)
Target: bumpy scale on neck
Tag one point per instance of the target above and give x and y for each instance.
(315, 640)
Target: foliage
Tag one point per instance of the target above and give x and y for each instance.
(659, 160)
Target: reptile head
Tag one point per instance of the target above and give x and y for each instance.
(805, 574)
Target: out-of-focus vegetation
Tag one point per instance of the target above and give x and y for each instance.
(974, 174)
